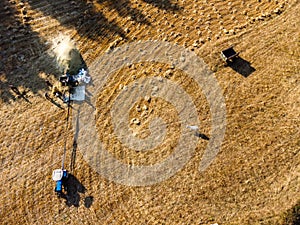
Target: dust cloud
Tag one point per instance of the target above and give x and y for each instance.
(68, 57)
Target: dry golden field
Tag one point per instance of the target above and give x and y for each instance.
(255, 178)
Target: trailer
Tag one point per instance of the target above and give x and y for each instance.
(229, 54)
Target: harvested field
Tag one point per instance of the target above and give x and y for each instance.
(254, 179)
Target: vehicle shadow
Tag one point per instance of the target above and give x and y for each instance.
(241, 66)
(202, 136)
(19, 94)
(73, 187)
(74, 149)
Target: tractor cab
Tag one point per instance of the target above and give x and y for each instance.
(59, 176)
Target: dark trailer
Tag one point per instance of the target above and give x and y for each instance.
(229, 54)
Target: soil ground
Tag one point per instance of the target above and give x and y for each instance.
(255, 178)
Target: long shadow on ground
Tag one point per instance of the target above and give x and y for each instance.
(164, 4)
(20, 47)
(241, 66)
(73, 189)
(292, 216)
(23, 53)
(124, 9)
(80, 15)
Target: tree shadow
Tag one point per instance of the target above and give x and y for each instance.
(80, 15)
(241, 66)
(22, 55)
(164, 4)
(292, 216)
(125, 9)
